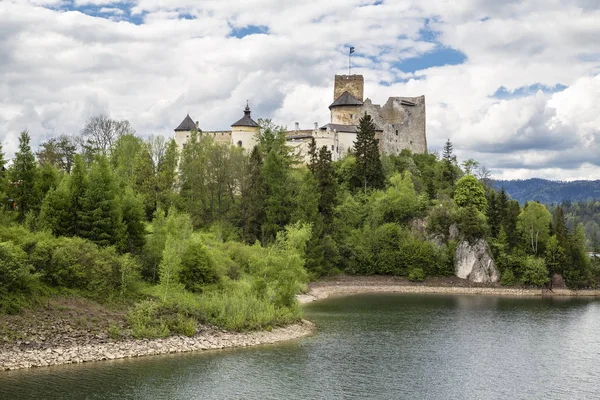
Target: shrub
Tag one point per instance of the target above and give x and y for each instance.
(508, 278)
(416, 274)
(534, 271)
(146, 322)
(197, 267)
(15, 271)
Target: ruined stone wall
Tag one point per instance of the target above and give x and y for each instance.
(403, 125)
(353, 84)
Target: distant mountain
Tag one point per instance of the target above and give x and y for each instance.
(547, 192)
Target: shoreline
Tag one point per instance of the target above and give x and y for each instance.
(346, 286)
(209, 339)
(18, 356)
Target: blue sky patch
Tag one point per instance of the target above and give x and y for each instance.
(503, 93)
(249, 30)
(439, 57)
(100, 11)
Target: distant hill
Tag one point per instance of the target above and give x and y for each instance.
(547, 192)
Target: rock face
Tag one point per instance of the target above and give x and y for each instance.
(475, 263)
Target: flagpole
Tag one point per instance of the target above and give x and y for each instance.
(349, 62)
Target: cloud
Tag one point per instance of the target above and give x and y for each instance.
(153, 61)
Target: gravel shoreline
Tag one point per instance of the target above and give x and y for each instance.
(18, 357)
(356, 285)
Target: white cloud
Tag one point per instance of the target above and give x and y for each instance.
(61, 67)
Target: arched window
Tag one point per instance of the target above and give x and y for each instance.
(240, 143)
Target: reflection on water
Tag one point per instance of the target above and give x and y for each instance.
(368, 346)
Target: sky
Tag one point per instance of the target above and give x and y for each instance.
(513, 84)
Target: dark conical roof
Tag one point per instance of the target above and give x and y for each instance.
(346, 99)
(246, 120)
(186, 125)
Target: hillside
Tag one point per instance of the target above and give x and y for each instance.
(546, 191)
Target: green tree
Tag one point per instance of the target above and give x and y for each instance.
(178, 231)
(22, 178)
(470, 192)
(534, 271)
(449, 167)
(327, 186)
(253, 199)
(366, 150)
(145, 179)
(534, 223)
(132, 212)
(101, 214)
(167, 173)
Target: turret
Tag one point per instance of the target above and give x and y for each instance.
(244, 131)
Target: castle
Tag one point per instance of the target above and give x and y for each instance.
(399, 124)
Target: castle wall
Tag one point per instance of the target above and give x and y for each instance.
(181, 138)
(403, 125)
(346, 115)
(244, 136)
(354, 84)
(223, 137)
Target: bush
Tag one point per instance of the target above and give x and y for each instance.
(508, 278)
(534, 271)
(145, 321)
(197, 267)
(416, 275)
(15, 272)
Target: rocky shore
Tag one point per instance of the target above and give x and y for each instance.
(345, 285)
(22, 355)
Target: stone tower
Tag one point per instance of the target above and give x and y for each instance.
(184, 130)
(347, 99)
(244, 131)
(353, 84)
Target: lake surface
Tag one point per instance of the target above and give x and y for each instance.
(368, 346)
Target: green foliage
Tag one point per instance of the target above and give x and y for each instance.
(399, 203)
(145, 321)
(508, 278)
(366, 150)
(534, 271)
(416, 274)
(472, 223)
(197, 267)
(469, 192)
(534, 223)
(22, 174)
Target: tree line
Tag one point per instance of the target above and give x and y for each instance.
(226, 236)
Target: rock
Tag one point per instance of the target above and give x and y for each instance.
(475, 263)
(558, 282)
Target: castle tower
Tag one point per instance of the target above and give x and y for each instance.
(184, 130)
(347, 99)
(244, 131)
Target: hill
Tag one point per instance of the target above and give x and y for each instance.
(546, 191)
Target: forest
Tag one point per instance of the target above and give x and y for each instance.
(213, 234)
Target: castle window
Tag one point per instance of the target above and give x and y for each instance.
(332, 147)
(411, 142)
(240, 143)
(351, 115)
(396, 132)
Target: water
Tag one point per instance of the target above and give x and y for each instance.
(368, 346)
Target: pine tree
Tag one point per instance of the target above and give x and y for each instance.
(449, 167)
(366, 150)
(166, 176)
(145, 180)
(193, 179)
(278, 198)
(253, 198)
(101, 214)
(22, 178)
(327, 187)
(313, 155)
(78, 185)
(132, 211)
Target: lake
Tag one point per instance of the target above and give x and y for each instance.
(379, 346)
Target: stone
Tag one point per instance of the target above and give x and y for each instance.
(475, 263)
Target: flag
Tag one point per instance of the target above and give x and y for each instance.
(351, 49)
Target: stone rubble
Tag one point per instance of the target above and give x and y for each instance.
(23, 355)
